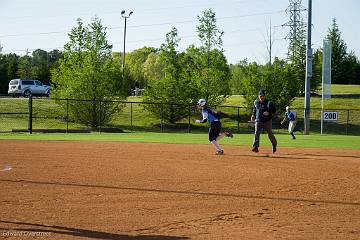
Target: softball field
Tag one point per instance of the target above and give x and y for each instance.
(119, 190)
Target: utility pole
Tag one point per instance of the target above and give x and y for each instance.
(308, 74)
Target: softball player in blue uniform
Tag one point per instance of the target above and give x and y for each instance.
(291, 117)
(215, 125)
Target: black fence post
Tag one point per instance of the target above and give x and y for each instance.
(67, 115)
(162, 111)
(238, 119)
(347, 121)
(30, 114)
(189, 111)
(131, 117)
(100, 116)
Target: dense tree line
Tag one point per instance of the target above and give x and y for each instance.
(8, 70)
(345, 66)
(37, 66)
(143, 64)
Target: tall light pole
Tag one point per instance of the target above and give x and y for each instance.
(125, 17)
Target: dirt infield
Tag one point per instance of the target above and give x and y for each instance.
(117, 190)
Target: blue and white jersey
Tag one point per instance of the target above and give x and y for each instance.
(290, 116)
(209, 115)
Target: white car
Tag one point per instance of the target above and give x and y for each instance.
(26, 87)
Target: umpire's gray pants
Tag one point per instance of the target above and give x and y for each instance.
(259, 126)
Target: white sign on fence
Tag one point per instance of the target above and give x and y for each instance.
(330, 116)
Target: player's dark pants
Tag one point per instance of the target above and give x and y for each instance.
(268, 128)
(214, 130)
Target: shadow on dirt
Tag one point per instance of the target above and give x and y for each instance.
(208, 194)
(37, 229)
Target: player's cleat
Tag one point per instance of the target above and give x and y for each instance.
(219, 152)
(255, 149)
(293, 136)
(228, 133)
(274, 148)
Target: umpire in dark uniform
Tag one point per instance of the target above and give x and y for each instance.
(263, 112)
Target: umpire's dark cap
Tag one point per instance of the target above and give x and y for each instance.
(261, 93)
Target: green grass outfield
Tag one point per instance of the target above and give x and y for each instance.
(284, 140)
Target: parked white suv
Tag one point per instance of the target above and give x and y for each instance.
(26, 87)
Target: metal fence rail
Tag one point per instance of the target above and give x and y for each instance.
(54, 115)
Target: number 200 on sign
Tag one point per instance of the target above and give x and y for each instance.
(330, 116)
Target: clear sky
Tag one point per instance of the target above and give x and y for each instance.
(44, 24)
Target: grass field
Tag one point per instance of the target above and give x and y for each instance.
(284, 140)
(344, 89)
(343, 97)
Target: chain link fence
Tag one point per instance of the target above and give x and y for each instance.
(58, 115)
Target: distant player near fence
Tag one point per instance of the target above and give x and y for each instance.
(292, 118)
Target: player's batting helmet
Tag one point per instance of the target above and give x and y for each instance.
(201, 102)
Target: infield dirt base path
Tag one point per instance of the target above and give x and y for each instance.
(118, 190)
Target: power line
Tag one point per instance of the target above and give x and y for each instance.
(161, 39)
(148, 25)
(158, 39)
(29, 34)
(149, 10)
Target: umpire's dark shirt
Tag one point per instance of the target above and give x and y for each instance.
(261, 107)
